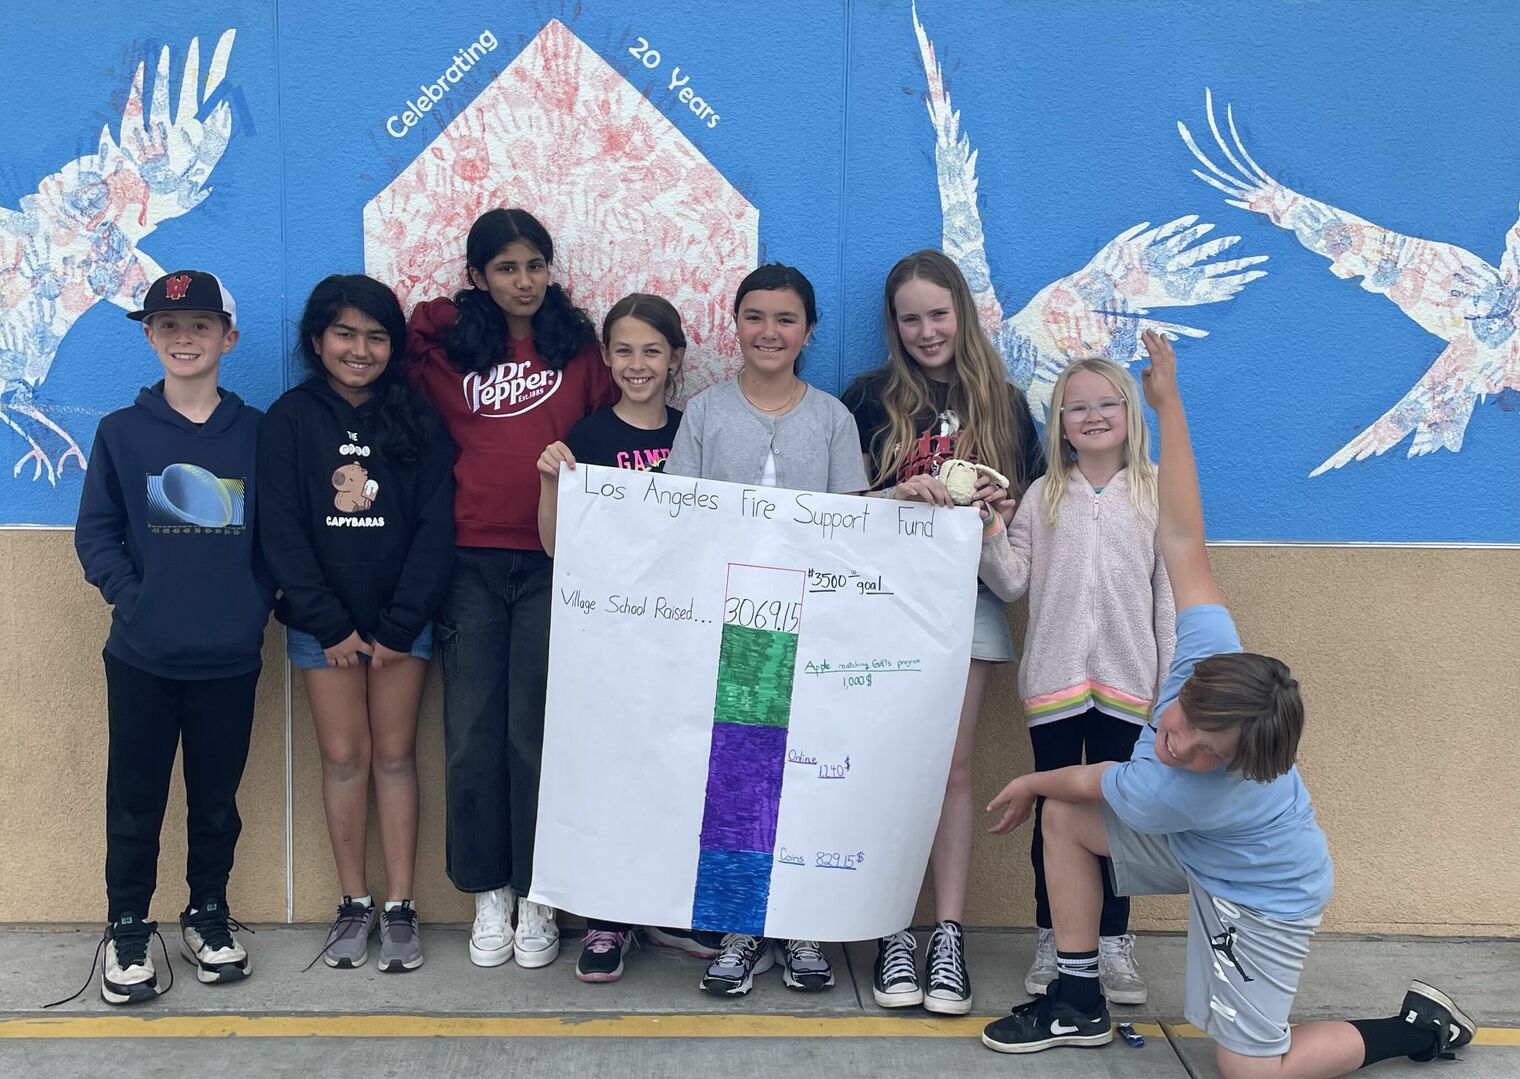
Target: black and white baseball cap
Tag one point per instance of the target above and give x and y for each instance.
(187, 290)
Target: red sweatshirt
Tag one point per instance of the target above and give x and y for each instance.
(500, 421)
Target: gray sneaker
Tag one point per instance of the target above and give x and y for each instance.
(1118, 975)
(348, 939)
(400, 946)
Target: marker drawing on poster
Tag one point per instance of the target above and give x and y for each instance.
(775, 677)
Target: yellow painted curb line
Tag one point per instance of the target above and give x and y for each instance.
(726, 1025)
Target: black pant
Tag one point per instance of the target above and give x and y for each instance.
(1059, 745)
(494, 644)
(149, 717)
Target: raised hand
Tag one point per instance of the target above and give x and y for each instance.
(1160, 378)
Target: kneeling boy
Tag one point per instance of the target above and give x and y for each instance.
(1209, 805)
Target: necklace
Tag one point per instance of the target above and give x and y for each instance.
(790, 397)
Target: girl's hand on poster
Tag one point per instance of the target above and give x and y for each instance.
(347, 651)
(923, 489)
(1017, 801)
(1160, 378)
(383, 655)
(549, 460)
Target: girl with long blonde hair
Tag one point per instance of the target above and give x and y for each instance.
(943, 394)
(1101, 619)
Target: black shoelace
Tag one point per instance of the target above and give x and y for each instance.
(215, 927)
(131, 950)
(348, 913)
(405, 914)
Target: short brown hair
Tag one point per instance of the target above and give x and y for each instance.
(1256, 695)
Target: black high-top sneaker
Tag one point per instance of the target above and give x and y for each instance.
(949, 988)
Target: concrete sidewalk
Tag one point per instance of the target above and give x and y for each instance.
(453, 1018)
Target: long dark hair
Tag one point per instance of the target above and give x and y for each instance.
(479, 340)
(404, 422)
(773, 277)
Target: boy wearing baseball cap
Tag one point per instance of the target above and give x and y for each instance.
(165, 531)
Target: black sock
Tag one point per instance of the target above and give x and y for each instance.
(1079, 980)
(1388, 1038)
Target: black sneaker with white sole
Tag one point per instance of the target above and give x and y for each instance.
(1047, 1022)
(894, 977)
(206, 940)
(1427, 1008)
(733, 972)
(949, 982)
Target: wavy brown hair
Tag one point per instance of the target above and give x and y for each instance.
(979, 388)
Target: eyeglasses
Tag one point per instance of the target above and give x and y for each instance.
(1108, 407)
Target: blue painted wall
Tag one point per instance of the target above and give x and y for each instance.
(1405, 114)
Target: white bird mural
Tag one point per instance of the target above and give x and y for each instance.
(74, 242)
(1100, 310)
(1447, 291)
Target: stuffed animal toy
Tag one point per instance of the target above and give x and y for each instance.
(959, 478)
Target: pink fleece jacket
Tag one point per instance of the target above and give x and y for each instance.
(1101, 621)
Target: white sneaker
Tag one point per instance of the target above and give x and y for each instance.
(491, 935)
(1117, 973)
(1043, 970)
(537, 934)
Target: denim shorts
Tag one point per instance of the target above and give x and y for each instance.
(991, 639)
(305, 652)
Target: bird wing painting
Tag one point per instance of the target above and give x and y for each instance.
(74, 242)
(1100, 310)
(1447, 291)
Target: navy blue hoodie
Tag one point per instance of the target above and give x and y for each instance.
(355, 541)
(166, 532)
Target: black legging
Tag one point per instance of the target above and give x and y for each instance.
(1059, 745)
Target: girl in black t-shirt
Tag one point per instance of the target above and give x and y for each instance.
(643, 345)
(943, 393)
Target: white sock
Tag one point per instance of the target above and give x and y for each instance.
(393, 904)
(363, 901)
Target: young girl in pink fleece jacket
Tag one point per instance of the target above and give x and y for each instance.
(1101, 633)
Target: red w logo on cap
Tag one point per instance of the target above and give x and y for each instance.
(176, 286)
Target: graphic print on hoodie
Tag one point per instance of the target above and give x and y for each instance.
(355, 541)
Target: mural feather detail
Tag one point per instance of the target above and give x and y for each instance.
(1101, 309)
(1446, 290)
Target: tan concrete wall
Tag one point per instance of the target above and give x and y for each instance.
(1410, 660)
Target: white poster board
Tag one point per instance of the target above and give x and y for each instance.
(753, 697)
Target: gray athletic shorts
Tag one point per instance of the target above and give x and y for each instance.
(990, 636)
(1242, 968)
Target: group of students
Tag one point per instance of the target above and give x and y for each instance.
(402, 498)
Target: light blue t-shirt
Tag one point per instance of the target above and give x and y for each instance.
(1255, 844)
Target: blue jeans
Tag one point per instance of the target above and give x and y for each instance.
(493, 640)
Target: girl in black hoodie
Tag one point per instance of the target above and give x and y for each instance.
(356, 521)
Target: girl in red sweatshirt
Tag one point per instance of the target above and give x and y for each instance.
(511, 364)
